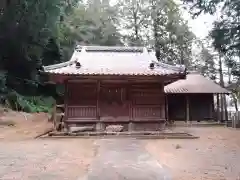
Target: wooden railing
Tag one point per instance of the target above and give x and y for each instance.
(82, 112)
(148, 112)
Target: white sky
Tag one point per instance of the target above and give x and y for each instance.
(199, 26)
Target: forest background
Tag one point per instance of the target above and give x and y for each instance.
(34, 33)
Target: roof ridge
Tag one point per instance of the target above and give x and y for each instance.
(141, 49)
(199, 84)
(59, 65)
(182, 68)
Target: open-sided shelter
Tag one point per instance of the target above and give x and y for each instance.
(192, 99)
(114, 85)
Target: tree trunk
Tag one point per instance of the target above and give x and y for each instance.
(136, 28)
(235, 101)
(221, 82)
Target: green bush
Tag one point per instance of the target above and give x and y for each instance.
(18, 102)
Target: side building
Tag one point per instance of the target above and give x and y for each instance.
(192, 99)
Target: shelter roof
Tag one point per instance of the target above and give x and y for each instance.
(195, 83)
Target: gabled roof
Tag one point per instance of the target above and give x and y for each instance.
(104, 60)
(195, 83)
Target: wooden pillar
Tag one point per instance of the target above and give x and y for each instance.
(130, 100)
(54, 115)
(211, 107)
(218, 109)
(222, 107)
(100, 126)
(166, 109)
(98, 99)
(187, 109)
(130, 96)
(225, 107)
(66, 99)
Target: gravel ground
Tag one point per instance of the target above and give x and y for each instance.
(125, 159)
(63, 159)
(215, 156)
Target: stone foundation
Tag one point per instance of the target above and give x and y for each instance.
(127, 126)
(146, 126)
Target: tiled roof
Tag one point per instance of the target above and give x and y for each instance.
(101, 60)
(195, 83)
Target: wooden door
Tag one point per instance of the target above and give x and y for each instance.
(114, 104)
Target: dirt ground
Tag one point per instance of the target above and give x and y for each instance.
(20, 125)
(214, 156)
(23, 157)
(63, 159)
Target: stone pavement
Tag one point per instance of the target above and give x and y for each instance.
(124, 159)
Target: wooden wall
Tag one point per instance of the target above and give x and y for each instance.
(111, 102)
(200, 107)
(81, 101)
(176, 107)
(148, 102)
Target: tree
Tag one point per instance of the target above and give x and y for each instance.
(104, 23)
(226, 30)
(172, 36)
(225, 35)
(134, 18)
(205, 61)
(52, 53)
(24, 33)
(26, 30)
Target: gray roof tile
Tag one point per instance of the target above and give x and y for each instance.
(195, 83)
(103, 60)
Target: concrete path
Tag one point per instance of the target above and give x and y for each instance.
(124, 159)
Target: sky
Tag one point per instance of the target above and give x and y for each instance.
(199, 26)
